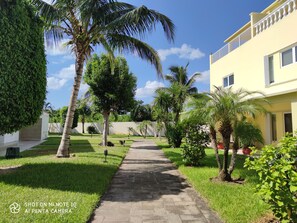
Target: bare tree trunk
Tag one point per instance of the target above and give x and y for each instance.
(213, 141)
(234, 155)
(105, 128)
(83, 126)
(63, 150)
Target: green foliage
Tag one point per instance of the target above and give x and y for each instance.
(143, 127)
(22, 66)
(141, 112)
(63, 114)
(91, 129)
(174, 134)
(113, 92)
(196, 143)
(248, 133)
(277, 171)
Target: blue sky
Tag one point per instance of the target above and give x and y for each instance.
(201, 28)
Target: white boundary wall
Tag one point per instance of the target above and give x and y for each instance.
(114, 128)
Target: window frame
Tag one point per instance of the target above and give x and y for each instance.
(228, 80)
(293, 54)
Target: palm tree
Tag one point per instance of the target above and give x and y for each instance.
(181, 87)
(224, 108)
(84, 111)
(111, 24)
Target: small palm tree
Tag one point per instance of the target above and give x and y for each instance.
(111, 24)
(224, 108)
(84, 111)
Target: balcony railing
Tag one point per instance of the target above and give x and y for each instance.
(235, 43)
(276, 15)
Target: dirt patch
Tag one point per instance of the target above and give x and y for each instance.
(268, 218)
(233, 181)
(9, 169)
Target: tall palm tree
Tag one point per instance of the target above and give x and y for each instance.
(181, 87)
(111, 24)
(223, 108)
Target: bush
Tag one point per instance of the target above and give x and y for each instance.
(277, 170)
(22, 66)
(174, 135)
(196, 142)
(91, 129)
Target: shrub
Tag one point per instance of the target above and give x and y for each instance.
(277, 170)
(174, 135)
(22, 66)
(196, 142)
(91, 129)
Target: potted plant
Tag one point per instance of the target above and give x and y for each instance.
(248, 135)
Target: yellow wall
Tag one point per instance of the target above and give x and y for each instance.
(247, 61)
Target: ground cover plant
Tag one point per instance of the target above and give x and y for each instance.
(233, 202)
(39, 179)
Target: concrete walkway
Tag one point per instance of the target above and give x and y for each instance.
(148, 188)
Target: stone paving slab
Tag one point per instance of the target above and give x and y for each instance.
(148, 188)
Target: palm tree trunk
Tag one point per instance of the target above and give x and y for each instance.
(234, 155)
(63, 150)
(83, 126)
(213, 141)
(105, 128)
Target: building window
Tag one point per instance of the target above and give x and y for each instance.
(271, 69)
(288, 122)
(296, 54)
(273, 127)
(228, 81)
(287, 57)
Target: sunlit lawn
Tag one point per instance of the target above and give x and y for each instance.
(42, 179)
(234, 203)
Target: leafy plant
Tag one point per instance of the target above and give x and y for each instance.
(193, 150)
(22, 66)
(143, 127)
(91, 130)
(277, 171)
(174, 134)
(248, 134)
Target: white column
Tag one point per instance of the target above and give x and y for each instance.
(267, 137)
(294, 115)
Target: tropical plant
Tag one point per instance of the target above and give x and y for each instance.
(141, 112)
(84, 111)
(277, 171)
(63, 113)
(143, 126)
(111, 24)
(111, 92)
(23, 66)
(169, 102)
(197, 139)
(91, 130)
(223, 108)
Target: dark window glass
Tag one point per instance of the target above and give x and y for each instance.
(287, 57)
(271, 70)
(225, 81)
(231, 79)
(288, 123)
(273, 128)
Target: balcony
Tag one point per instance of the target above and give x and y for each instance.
(264, 23)
(275, 16)
(232, 45)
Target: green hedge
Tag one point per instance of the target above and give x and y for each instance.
(22, 66)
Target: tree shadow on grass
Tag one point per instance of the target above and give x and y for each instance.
(84, 178)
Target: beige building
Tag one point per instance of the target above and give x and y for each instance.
(262, 56)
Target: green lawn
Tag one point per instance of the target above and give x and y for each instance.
(234, 203)
(65, 185)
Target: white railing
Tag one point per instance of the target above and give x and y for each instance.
(276, 15)
(235, 43)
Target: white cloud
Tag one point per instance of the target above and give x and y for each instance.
(149, 89)
(185, 52)
(204, 77)
(83, 88)
(57, 49)
(55, 83)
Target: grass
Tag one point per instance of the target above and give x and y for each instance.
(233, 202)
(76, 183)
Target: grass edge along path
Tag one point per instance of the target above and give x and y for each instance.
(49, 189)
(233, 202)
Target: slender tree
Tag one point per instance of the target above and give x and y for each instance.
(84, 111)
(223, 108)
(112, 92)
(111, 24)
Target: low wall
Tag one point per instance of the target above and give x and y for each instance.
(114, 128)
